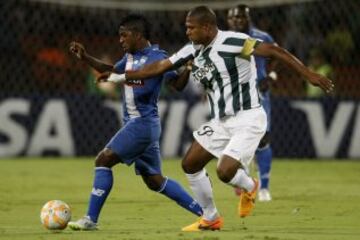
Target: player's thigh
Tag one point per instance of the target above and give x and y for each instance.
(154, 182)
(107, 158)
(130, 142)
(149, 162)
(246, 136)
(195, 158)
(209, 142)
(212, 137)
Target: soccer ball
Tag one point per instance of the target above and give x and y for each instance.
(55, 215)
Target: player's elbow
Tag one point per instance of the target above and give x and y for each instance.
(277, 52)
(272, 51)
(268, 50)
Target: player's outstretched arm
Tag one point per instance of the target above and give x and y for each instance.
(150, 70)
(276, 52)
(78, 50)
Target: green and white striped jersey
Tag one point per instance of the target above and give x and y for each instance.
(226, 69)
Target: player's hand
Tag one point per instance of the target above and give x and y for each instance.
(323, 82)
(77, 49)
(189, 65)
(103, 77)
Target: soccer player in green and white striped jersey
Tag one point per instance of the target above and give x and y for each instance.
(223, 62)
(227, 71)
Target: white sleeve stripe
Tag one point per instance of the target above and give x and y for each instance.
(187, 52)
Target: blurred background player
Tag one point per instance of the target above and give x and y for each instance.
(138, 140)
(239, 20)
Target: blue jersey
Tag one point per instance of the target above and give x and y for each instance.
(140, 97)
(138, 140)
(260, 61)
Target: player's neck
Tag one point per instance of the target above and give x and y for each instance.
(143, 44)
(211, 37)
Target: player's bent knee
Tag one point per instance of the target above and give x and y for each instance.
(106, 158)
(227, 168)
(190, 167)
(154, 182)
(224, 175)
(153, 187)
(185, 166)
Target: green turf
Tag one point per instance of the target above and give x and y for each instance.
(311, 200)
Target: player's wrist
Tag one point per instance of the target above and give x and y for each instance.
(116, 78)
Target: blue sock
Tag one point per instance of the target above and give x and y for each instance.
(103, 182)
(176, 192)
(264, 157)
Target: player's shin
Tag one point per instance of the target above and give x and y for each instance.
(201, 186)
(103, 182)
(176, 192)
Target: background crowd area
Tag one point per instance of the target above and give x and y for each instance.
(35, 35)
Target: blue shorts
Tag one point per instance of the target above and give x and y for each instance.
(138, 142)
(265, 101)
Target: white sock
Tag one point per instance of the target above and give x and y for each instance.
(242, 180)
(201, 186)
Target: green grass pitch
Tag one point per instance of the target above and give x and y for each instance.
(311, 200)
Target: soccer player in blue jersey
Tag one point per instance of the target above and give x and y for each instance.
(239, 20)
(137, 142)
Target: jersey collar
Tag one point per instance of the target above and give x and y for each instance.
(147, 49)
(213, 41)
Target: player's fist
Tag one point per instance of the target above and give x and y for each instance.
(77, 49)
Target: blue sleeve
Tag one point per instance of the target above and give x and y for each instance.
(158, 56)
(120, 65)
(268, 38)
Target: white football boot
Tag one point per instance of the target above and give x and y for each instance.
(264, 195)
(84, 224)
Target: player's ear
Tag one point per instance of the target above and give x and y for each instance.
(137, 35)
(207, 26)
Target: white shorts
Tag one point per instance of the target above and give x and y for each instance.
(236, 136)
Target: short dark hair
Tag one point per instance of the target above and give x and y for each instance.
(137, 23)
(243, 7)
(204, 15)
